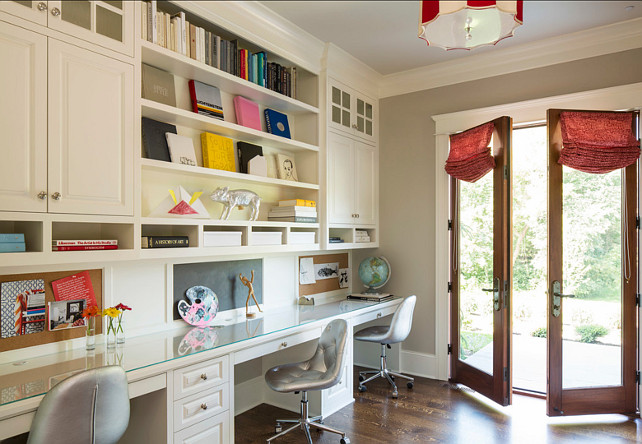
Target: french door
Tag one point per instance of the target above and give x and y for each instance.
(481, 275)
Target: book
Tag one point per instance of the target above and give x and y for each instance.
(371, 297)
(257, 166)
(84, 247)
(143, 20)
(192, 41)
(12, 247)
(60, 243)
(297, 202)
(218, 152)
(181, 149)
(294, 211)
(336, 241)
(247, 113)
(206, 99)
(152, 22)
(246, 152)
(12, 237)
(158, 85)
(164, 241)
(293, 219)
(277, 123)
(217, 50)
(154, 140)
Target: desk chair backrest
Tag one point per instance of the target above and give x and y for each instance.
(91, 407)
(401, 321)
(330, 352)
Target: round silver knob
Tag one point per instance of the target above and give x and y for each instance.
(204, 376)
(354, 125)
(56, 196)
(284, 344)
(204, 406)
(357, 215)
(42, 195)
(42, 6)
(55, 12)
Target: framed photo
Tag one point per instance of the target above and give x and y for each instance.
(286, 167)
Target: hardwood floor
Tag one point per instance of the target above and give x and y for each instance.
(436, 411)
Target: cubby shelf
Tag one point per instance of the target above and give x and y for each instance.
(159, 165)
(228, 223)
(188, 68)
(193, 252)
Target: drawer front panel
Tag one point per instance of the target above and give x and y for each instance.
(196, 408)
(215, 430)
(373, 315)
(276, 345)
(199, 377)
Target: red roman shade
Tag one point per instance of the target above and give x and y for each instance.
(470, 158)
(598, 141)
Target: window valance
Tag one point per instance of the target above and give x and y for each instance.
(470, 156)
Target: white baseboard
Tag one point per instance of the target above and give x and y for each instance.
(419, 364)
(248, 395)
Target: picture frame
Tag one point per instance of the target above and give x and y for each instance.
(286, 168)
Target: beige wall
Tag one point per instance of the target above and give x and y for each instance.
(407, 156)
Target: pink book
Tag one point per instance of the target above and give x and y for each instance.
(247, 113)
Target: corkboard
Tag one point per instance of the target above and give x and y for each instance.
(325, 284)
(46, 337)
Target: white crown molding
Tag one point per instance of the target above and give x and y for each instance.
(344, 67)
(593, 42)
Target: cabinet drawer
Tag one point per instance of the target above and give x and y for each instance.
(200, 377)
(276, 345)
(200, 406)
(373, 315)
(215, 430)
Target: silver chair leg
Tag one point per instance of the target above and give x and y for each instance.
(399, 375)
(284, 431)
(327, 429)
(306, 430)
(378, 375)
(288, 420)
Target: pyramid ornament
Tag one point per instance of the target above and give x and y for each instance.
(180, 203)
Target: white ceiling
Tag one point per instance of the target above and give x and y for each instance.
(383, 34)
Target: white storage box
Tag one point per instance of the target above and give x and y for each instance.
(301, 237)
(266, 238)
(222, 238)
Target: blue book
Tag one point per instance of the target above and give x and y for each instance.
(277, 123)
(12, 247)
(12, 237)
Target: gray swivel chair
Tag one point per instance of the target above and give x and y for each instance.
(91, 407)
(397, 331)
(321, 371)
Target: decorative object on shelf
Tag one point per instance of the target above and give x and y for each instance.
(155, 139)
(202, 307)
(198, 339)
(250, 294)
(247, 113)
(257, 166)
(90, 314)
(120, 332)
(206, 99)
(344, 277)
(286, 167)
(164, 241)
(158, 85)
(374, 272)
(218, 152)
(236, 198)
(247, 152)
(22, 305)
(181, 149)
(12, 242)
(66, 314)
(361, 236)
(180, 204)
(277, 123)
(466, 24)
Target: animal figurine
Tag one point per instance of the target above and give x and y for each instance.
(248, 283)
(236, 198)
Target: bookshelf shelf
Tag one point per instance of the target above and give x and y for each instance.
(225, 223)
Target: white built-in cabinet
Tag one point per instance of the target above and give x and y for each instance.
(68, 134)
(352, 112)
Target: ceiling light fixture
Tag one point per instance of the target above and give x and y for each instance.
(468, 24)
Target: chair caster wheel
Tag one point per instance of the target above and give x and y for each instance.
(278, 428)
(361, 378)
(392, 377)
(345, 440)
(395, 395)
(363, 388)
(410, 385)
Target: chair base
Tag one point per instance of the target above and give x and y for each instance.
(383, 372)
(305, 422)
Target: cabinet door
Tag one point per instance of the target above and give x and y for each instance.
(23, 120)
(35, 11)
(341, 105)
(366, 168)
(340, 179)
(364, 117)
(91, 113)
(106, 23)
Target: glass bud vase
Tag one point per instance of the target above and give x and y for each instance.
(90, 336)
(120, 332)
(110, 337)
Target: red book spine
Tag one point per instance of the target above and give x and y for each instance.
(192, 94)
(243, 65)
(85, 247)
(67, 243)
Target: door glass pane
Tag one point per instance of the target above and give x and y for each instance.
(592, 256)
(360, 124)
(368, 111)
(336, 96)
(78, 13)
(115, 4)
(369, 127)
(476, 272)
(345, 120)
(109, 24)
(360, 107)
(346, 100)
(336, 114)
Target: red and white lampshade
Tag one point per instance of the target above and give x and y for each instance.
(468, 24)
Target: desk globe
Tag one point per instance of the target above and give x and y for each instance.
(374, 272)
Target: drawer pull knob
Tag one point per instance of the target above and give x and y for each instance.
(378, 315)
(204, 406)
(284, 344)
(55, 12)
(204, 376)
(42, 6)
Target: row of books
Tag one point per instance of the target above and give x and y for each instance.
(294, 210)
(335, 240)
(12, 242)
(176, 33)
(84, 245)
(361, 236)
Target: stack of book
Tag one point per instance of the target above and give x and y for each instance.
(12, 242)
(176, 33)
(371, 297)
(361, 236)
(335, 240)
(294, 210)
(164, 241)
(84, 245)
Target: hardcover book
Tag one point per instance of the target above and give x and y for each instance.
(297, 202)
(246, 152)
(84, 242)
(218, 152)
(84, 247)
(154, 140)
(164, 241)
(277, 123)
(158, 85)
(286, 167)
(293, 219)
(181, 149)
(206, 99)
(247, 113)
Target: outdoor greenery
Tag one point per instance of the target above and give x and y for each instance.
(590, 333)
(471, 343)
(539, 333)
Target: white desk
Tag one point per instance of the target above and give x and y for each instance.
(185, 368)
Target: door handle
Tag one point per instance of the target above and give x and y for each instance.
(557, 298)
(495, 291)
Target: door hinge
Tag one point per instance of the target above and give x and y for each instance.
(505, 373)
(450, 287)
(637, 377)
(506, 294)
(637, 299)
(450, 224)
(505, 172)
(450, 349)
(637, 222)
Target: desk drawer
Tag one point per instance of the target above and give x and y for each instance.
(199, 377)
(215, 430)
(200, 406)
(373, 315)
(276, 345)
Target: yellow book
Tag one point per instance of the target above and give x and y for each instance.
(297, 203)
(218, 152)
